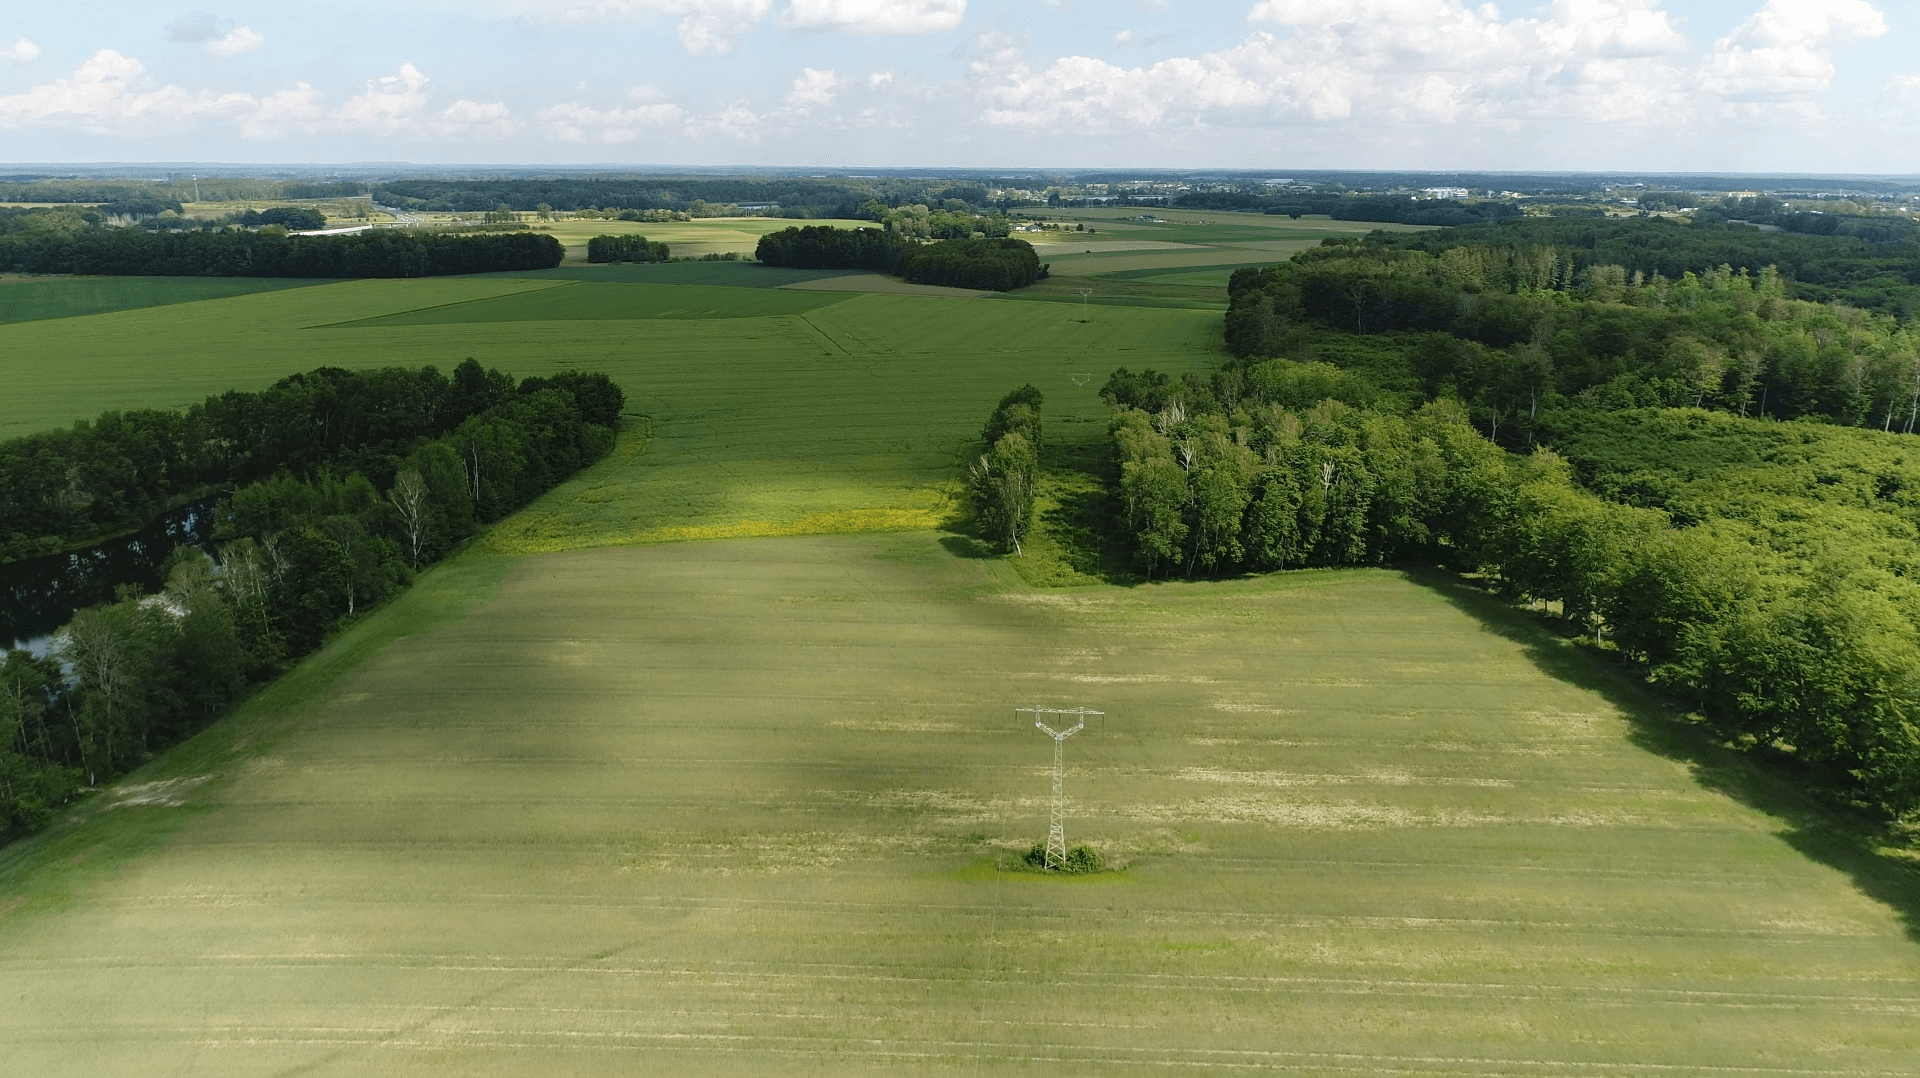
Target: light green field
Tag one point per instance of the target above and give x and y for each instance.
(847, 417)
(730, 274)
(703, 236)
(1211, 240)
(735, 808)
(580, 301)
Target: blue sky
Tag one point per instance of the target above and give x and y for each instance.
(1754, 85)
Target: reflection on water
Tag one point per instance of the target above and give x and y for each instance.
(39, 595)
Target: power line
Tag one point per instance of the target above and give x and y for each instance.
(1056, 853)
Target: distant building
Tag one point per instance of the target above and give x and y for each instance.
(1445, 192)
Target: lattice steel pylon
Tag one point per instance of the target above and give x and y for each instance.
(1056, 855)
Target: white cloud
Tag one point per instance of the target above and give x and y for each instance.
(105, 94)
(879, 79)
(474, 120)
(234, 42)
(736, 121)
(813, 89)
(390, 105)
(706, 27)
(283, 113)
(876, 16)
(1786, 49)
(20, 51)
(1418, 61)
(574, 122)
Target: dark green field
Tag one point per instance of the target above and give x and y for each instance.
(30, 299)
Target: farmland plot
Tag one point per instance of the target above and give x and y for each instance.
(746, 807)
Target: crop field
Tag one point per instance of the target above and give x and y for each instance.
(581, 301)
(849, 415)
(746, 807)
(590, 800)
(1182, 239)
(731, 274)
(702, 236)
(30, 299)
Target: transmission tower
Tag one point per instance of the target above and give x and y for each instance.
(1056, 824)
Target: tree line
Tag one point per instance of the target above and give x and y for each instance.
(1789, 619)
(70, 488)
(626, 249)
(998, 265)
(273, 253)
(992, 265)
(1867, 262)
(1513, 330)
(791, 196)
(300, 553)
(1003, 481)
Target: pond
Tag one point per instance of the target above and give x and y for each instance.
(38, 595)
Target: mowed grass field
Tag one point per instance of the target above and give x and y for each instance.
(738, 808)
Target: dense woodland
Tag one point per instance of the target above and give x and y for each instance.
(342, 485)
(267, 253)
(1674, 465)
(627, 248)
(997, 265)
(1512, 331)
(70, 488)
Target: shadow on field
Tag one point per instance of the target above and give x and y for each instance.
(966, 546)
(1818, 831)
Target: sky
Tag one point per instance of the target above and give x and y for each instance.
(1823, 86)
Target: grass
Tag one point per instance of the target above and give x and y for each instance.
(578, 301)
(650, 806)
(733, 274)
(1214, 240)
(850, 416)
(706, 235)
(752, 807)
(30, 299)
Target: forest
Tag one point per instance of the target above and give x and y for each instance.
(340, 486)
(629, 248)
(1866, 262)
(1701, 474)
(1512, 330)
(269, 253)
(996, 265)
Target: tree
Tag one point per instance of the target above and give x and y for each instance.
(100, 644)
(1002, 483)
(409, 498)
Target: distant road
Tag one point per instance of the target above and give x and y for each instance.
(401, 217)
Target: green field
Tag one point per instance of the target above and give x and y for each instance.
(733, 274)
(30, 299)
(736, 808)
(707, 235)
(589, 801)
(579, 301)
(849, 416)
(1207, 241)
